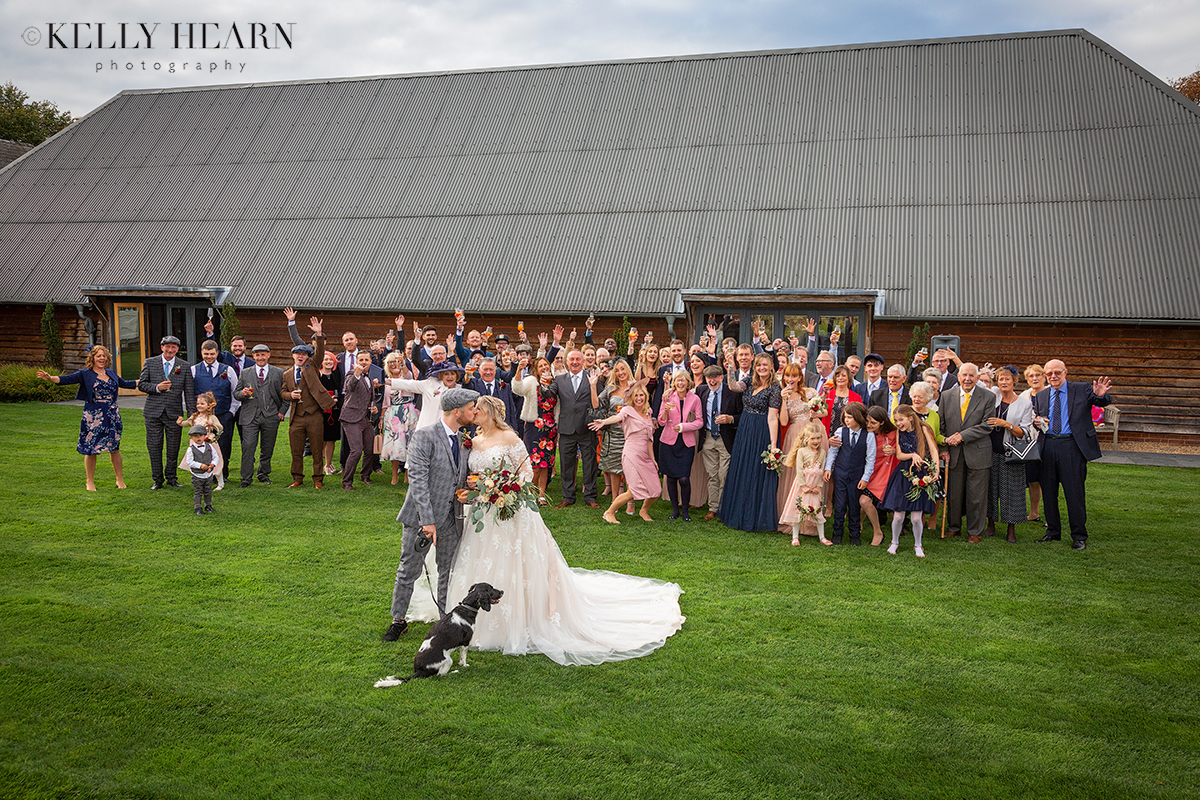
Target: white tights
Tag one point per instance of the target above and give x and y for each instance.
(918, 526)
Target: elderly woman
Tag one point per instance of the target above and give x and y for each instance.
(443, 376)
(399, 418)
(933, 378)
(838, 396)
(922, 402)
(1035, 376)
(100, 428)
(1013, 420)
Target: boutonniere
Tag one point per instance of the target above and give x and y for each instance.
(177, 370)
(464, 438)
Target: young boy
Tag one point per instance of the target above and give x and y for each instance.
(203, 460)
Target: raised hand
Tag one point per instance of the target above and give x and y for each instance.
(314, 325)
(542, 339)
(399, 322)
(558, 333)
(712, 331)
(290, 313)
(754, 327)
(208, 327)
(416, 330)
(1101, 386)
(449, 343)
(810, 326)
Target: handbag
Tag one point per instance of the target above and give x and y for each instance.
(1028, 448)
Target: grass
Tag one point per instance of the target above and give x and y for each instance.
(145, 652)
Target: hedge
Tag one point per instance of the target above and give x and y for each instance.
(19, 384)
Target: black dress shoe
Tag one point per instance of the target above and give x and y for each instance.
(155, 486)
(395, 630)
(172, 482)
(674, 516)
(246, 484)
(1049, 537)
(1079, 544)
(857, 542)
(685, 517)
(264, 480)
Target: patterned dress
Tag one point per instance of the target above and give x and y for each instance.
(614, 438)
(398, 422)
(100, 429)
(541, 435)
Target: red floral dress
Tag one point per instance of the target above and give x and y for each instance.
(545, 439)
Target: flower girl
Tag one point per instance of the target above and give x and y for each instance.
(805, 506)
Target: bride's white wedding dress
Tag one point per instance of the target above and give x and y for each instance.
(573, 616)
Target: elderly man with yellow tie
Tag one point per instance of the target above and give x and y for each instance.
(965, 410)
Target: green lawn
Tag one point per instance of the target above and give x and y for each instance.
(146, 652)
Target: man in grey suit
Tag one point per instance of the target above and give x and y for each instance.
(263, 408)
(574, 392)
(437, 468)
(969, 445)
(167, 382)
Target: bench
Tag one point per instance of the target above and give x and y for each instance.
(1112, 421)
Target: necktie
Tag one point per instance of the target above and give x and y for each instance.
(852, 439)
(212, 370)
(892, 407)
(712, 412)
(962, 409)
(575, 380)
(262, 376)
(1055, 412)
(297, 377)
(454, 448)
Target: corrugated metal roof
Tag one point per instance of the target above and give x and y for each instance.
(1032, 175)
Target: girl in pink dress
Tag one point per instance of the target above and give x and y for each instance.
(795, 412)
(807, 458)
(637, 458)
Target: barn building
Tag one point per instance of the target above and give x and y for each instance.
(1036, 194)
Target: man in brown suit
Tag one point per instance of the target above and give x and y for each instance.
(309, 401)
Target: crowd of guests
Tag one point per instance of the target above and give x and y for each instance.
(770, 435)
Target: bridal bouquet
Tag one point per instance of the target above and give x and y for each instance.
(503, 490)
(923, 477)
(773, 458)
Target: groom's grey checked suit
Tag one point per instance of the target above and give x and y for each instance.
(433, 479)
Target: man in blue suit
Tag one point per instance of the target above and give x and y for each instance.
(1064, 412)
(487, 382)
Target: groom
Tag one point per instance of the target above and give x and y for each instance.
(437, 467)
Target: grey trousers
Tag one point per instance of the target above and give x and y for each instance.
(202, 489)
(412, 562)
(571, 449)
(967, 492)
(716, 464)
(158, 429)
(258, 434)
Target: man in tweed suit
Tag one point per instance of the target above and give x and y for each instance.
(167, 382)
(437, 468)
(260, 389)
(309, 401)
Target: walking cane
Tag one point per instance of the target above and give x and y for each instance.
(945, 504)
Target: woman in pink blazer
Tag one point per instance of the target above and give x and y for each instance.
(680, 417)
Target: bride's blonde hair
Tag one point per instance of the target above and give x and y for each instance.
(494, 408)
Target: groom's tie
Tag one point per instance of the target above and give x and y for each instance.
(454, 448)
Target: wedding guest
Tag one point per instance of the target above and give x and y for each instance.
(201, 458)
(1070, 442)
(722, 408)
(1035, 376)
(941, 361)
(680, 418)
(309, 401)
(576, 441)
(795, 411)
(648, 366)
(920, 396)
(100, 427)
(205, 417)
(332, 424)
(209, 375)
(358, 397)
(748, 501)
(399, 418)
(489, 383)
(838, 396)
(934, 380)
(894, 395)
(918, 461)
(874, 380)
(608, 403)
(965, 409)
(699, 477)
(871, 499)
(1013, 421)
(804, 506)
(825, 363)
(637, 463)
(541, 425)
(443, 376)
(263, 408)
(848, 467)
(853, 363)
(167, 380)
(667, 371)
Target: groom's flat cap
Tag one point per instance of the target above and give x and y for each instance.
(457, 398)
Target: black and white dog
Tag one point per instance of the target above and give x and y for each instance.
(436, 654)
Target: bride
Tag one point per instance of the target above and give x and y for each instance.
(573, 616)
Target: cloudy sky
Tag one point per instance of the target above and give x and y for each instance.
(383, 37)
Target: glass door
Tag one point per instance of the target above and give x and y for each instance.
(130, 341)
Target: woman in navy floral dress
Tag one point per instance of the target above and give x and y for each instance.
(100, 428)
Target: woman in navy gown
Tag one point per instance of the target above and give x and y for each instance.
(100, 428)
(748, 501)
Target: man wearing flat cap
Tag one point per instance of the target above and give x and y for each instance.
(302, 388)
(260, 388)
(166, 380)
(437, 468)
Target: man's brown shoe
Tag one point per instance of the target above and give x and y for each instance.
(565, 503)
(710, 515)
(295, 485)
(317, 485)
(592, 504)
(974, 539)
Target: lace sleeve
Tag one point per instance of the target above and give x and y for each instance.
(517, 455)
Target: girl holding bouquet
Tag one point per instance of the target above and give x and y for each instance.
(913, 485)
(804, 506)
(798, 405)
